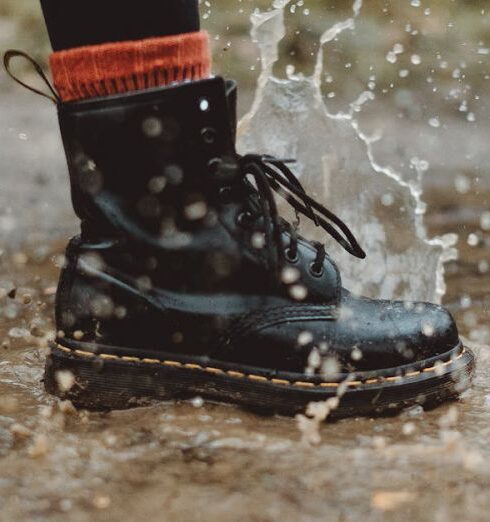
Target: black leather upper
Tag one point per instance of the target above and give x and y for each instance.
(167, 260)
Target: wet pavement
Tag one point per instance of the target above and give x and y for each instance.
(194, 461)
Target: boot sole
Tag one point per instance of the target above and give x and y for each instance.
(107, 381)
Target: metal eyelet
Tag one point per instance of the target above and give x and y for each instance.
(214, 164)
(290, 257)
(225, 194)
(243, 219)
(208, 135)
(316, 273)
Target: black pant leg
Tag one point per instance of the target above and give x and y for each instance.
(75, 23)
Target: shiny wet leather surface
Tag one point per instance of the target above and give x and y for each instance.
(166, 262)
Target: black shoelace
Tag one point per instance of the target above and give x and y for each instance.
(272, 175)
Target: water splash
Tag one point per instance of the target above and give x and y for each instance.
(336, 163)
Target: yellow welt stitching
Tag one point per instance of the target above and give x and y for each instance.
(84, 354)
(193, 366)
(231, 373)
(257, 378)
(172, 363)
(437, 366)
(446, 363)
(108, 356)
(394, 378)
(304, 384)
(280, 381)
(213, 370)
(130, 359)
(412, 374)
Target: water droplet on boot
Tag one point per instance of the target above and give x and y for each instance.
(152, 127)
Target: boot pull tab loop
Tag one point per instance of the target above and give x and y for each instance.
(12, 53)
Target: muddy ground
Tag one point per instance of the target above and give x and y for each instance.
(193, 461)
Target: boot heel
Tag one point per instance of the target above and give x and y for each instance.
(100, 384)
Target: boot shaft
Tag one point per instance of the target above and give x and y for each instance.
(162, 240)
(147, 160)
(146, 170)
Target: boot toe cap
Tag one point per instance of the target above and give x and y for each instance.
(389, 334)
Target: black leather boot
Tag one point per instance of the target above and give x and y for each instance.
(186, 282)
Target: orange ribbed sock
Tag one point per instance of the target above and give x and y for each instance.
(100, 70)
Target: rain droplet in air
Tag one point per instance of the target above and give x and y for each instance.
(152, 127)
(435, 122)
(485, 220)
(305, 338)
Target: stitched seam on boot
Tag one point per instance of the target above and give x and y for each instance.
(262, 318)
(260, 378)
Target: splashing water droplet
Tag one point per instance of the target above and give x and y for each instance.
(391, 57)
(485, 220)
(356, 354)
(305, 338)
(336, 162)
(428, 329)
(197, 402)
(398, 48)
(483, 266)
(196, 210)
(473, 240)
(258, 240)
(434, 122)
(462, 184)
(152, 127)
(290, 275)
(298, 292)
